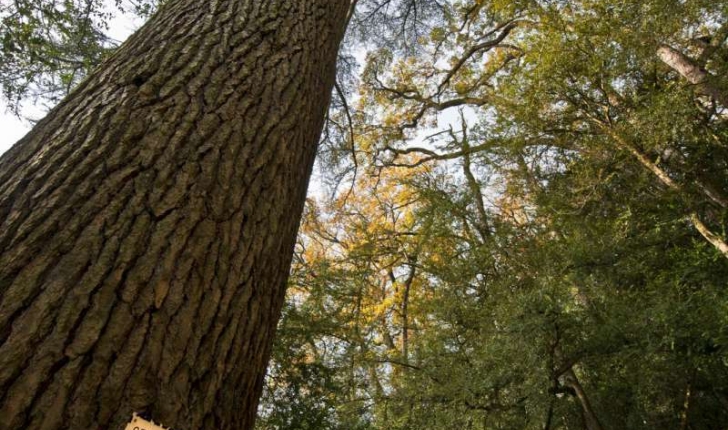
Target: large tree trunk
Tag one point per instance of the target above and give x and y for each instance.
(147, 223)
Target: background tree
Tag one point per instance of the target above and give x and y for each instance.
(147, 223)
(571, 273)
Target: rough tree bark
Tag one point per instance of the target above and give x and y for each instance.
(147, 223)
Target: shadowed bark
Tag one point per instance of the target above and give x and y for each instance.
(147, 223)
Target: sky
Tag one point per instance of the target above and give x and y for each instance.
(11, 128)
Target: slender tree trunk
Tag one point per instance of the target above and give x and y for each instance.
(590, 417)
(405, 308)
(147, 223)
(693, 73)
(685, 415)
(711, 237)
(482, 225)
(386, 335)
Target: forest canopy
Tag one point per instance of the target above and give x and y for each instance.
(521, 221)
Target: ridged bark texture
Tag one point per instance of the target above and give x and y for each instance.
(147, 223)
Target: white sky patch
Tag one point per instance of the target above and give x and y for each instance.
(12, 128)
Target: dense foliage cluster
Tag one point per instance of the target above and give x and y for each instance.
(48, 46)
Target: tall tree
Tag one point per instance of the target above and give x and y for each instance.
(147, 223)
